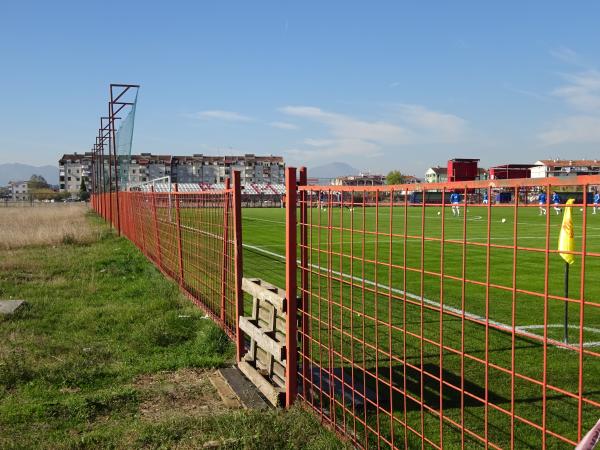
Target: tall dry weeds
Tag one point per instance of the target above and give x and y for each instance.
(45, 225)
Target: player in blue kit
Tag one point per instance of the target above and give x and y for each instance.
(485, 198)
(542, 202)
(596, 201)
(455, 201)
(556, 201)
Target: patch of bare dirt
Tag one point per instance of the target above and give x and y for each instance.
(185, 392)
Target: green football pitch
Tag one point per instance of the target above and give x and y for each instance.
(379, 310)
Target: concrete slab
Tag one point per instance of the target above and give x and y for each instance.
(230, 400)
(8, 307)
(244, 389)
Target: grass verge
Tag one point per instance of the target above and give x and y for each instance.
(99, 320)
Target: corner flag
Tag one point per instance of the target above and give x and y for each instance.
(566, 239)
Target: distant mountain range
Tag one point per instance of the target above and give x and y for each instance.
(332, 170)
(23, 172)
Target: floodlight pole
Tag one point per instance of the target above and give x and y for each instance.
(102, 175)
(113, 141)
(117, 91)
(93, 175)
(104, 127)
(100, 162)
(99, 178)
(91, 170)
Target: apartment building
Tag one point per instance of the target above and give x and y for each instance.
(253, 169)
(71, 169)
(18, 191)
(197, 168)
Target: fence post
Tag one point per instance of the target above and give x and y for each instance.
(179, 243)
(132, 214)
(239, 295)
(291, 265)
(122, 212)
(118, 210)
(125, 213)
(304, 280)
(224, 266)
(142, 215)
(156, 230)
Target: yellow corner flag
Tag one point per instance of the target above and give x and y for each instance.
(566, 239)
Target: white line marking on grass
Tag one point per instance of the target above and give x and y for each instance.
(558, 325)
(264, 220)
(452, 309)
(561, 326)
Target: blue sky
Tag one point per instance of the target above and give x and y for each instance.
(380, 85)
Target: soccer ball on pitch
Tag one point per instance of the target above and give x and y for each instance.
(439, 212)
(503, 220)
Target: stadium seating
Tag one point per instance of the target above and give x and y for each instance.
(249, 189)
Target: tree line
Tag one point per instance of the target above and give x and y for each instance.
(395, 177)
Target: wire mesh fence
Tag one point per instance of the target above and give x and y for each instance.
(434, 318)
(191, 237)
(431, 316)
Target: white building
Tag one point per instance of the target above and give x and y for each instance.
(19, 191)
(436, 175)
(71, 169)
(565, 167)
(215, 169)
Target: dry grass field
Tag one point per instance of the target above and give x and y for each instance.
(46, 225)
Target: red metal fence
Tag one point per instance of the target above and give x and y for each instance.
(426, 320)
(192, 237)
(432, 325)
